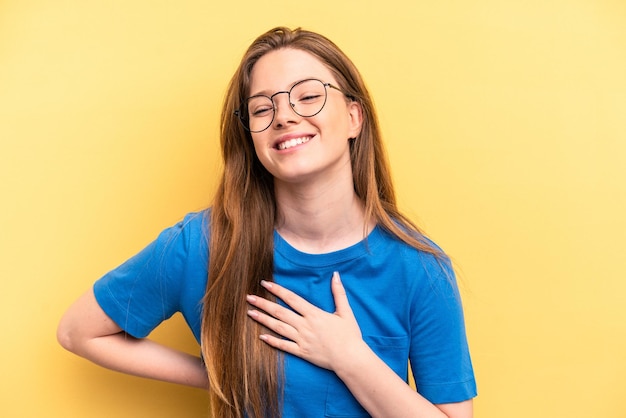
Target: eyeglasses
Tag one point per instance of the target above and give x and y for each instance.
(306, 98)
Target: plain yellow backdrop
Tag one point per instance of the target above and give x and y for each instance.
(506, 127)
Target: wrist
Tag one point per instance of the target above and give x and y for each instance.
(353, 360)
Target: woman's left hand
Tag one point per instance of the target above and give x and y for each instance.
(322, 338)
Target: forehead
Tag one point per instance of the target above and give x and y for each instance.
(279, 70)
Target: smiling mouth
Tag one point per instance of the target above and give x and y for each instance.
(293, 142)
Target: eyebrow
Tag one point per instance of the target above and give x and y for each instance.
(267, 92)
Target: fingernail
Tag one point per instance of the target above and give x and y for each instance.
(266, 284)
(336, 276)
(251, 298)
(253, 314)
(263, 337)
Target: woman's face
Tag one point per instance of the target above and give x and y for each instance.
(300, 149)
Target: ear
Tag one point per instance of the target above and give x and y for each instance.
(355, 113)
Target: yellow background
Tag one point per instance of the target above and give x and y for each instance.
(506, 127)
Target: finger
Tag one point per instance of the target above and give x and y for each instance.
(275, 310)
(297, 303)
(279, 327)
(342, 306)
(281, 344)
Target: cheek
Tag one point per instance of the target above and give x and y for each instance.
(260, 150)
(338, 118)
(335, 124)
(256, 143)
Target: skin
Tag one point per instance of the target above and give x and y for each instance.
(86, 330)
(327, 153)
(311, 179)
(313, 182)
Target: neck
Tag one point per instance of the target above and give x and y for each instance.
(321, 217)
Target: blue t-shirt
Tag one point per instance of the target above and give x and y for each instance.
(405, 301)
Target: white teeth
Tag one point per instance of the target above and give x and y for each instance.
(293, 142)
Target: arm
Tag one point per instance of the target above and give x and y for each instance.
(87, 331)
(333, 341)
(384, 394)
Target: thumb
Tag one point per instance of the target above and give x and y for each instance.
(342, 306)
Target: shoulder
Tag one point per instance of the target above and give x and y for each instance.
(428, 256)
(424, 269)
(193, 223)
(177, 246)
(191, 231)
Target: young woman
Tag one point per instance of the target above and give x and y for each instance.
(307, 289)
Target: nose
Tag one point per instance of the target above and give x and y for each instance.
(283, 111)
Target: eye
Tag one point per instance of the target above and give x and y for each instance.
(308, 92)
(260, 111)
(310, 98)
(260, 106)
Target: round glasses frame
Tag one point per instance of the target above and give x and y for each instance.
(244, 117)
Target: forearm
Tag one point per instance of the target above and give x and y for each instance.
(144, 358)
(380, 390)
(334, 342)
(87, 331)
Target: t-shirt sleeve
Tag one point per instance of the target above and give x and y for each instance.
(439, 356)
(146, 290)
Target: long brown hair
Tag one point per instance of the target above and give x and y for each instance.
(244, 373)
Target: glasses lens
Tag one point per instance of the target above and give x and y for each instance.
(260, 113)
(308, 97)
